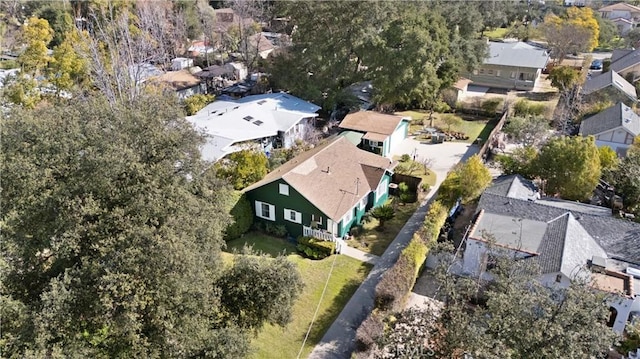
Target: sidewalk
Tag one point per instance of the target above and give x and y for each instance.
(339, 340)
(359, 255)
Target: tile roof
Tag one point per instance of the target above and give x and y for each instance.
(333, 176)
(624, 59)
(518, 54)
(370, 121)
(618, 115)
(609, 78)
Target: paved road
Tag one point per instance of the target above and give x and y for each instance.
(339, 340)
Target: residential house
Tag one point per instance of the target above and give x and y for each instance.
(324, 191)
(181, 63)
(510, 65)
(200, 48)
(625, 16)
(609, 86)
(616, 127)
(260, 122)
(258, 45)
(226, 18)
(217, 77)
(182, 82)
(626, 62)
(568, 240)
(460, 87)
(375, 132)
(140, 73)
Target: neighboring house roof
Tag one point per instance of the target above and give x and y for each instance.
(226, 122)
(618, 115)
(227, 17)
(621, 19)
(177, 80)
(217, 71)
(622, 60)
(514, 186)
(609, 78)
(377, 126)
(333, 177)
(619, 238)
(260, 42)
(461, 84)
(621, 6)
(142, 72)
(518, 54)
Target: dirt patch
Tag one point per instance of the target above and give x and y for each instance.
(463, 221)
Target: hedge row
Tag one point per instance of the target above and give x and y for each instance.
(315, 248)
(397, 282)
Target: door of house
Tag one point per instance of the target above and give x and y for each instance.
(332, 227)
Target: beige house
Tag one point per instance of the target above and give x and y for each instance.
(625, 16)
(511, 65)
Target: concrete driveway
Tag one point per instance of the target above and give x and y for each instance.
(445, 155)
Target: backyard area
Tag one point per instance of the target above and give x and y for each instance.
(348, 273)
(471, 126)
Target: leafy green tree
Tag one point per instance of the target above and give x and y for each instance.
(521, 161)
(23, 91)
(383, 214)
(608, 31)
(609, 162)
(518, 315)
(111, 237)
(627, 179)
(259, 290)
(576, 31)
(451, 120)
(243, 168)
(564, 77)
(466, 181)
(59, 19)
(69, 67)
(570, 166)
(196, 103)
(528, 130)
(242, 214)
(36, 34)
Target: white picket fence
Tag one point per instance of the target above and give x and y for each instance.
(324, 235)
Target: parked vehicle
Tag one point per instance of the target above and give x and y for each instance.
(596, 65)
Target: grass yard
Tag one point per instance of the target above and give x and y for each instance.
(348, 273)
(417, 170)
(497, 33)
(472, 126)
(373, 241)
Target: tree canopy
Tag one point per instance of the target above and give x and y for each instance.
(111, 237)
(578, 30)
(466, 181)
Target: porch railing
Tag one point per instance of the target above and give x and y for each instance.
(324, 235)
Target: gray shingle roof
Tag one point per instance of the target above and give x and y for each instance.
(609, 78)
(513, 186)
(517, 54)
(624, 59)
(613, 117)
(619, 238)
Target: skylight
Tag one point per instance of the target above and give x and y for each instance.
(261, 102)
(258, 123)
(248, 118)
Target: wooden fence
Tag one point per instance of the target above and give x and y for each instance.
(490, 142)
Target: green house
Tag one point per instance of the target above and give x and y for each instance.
(375, 132)
(324, 191)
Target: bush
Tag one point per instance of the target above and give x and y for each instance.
(405, 193)
(395, 285)
(491, 105)
(405, 158)
(425, 187)
(315, 248)
(369, 332)
(242, 218)
(526, 108)
(276, 230)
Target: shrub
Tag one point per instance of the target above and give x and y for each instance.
(405, 193)
(425, 187)
(276, 230)
(242, 218)
(395, 285)
(315, 248)
(491, 105)
(405, 158)
(526, 108)
(369, 332)
(196, 103)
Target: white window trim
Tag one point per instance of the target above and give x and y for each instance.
(272, 211)
(347, 217)
(382, 189)
(283, 189)
(363, 202)
(316, 218)
(297, 216)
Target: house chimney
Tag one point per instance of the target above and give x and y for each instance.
(328, 170)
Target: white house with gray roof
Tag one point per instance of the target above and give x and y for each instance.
(568, 240)
(609, 86)
(616, 127)
(260, 122)
(511, 65)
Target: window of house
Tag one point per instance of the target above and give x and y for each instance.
(490, 72)
(347, 217)
(382, 189)
(292, 216)
(497, 72)
(284, 189)
(558, 278)
(380, 144)
(265, 211)
(316, 219)
(363, 202)
(513, 74)
(475, 72)
(481, 71)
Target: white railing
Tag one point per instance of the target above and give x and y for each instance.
(324, 235)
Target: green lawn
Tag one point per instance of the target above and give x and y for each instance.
(469, 125)
(374, 241)
(348, 273)
(497, 33)
(417, 170)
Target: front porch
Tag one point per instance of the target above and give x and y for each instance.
(324, 235)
